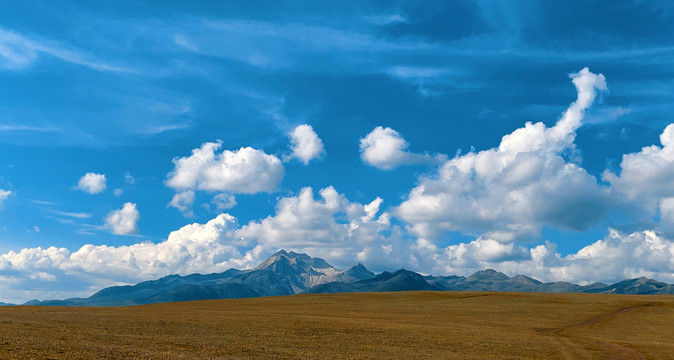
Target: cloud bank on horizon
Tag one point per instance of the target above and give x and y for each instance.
(340, 137)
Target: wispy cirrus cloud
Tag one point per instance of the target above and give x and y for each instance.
(16, 127)
(19, 51)
(76, 215)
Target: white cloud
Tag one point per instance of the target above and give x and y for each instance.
(331, 227)
(58, 273)
(246, 170)
(18, 51)
(484, 250)
(76, 215)
(513, 190)
(118, 192)
(205, 248)
(183, 42)
(428, 80)
(301, 221)
(290, 43)
(224, 201)
(644, 185)
(305, 144)
(666, 207)
(384, 149)
(372, 209)
(183, 201)
(92, 183)
(123, 221)
(4, 194)
(616, 257)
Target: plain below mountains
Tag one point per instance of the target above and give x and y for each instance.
(288, 273)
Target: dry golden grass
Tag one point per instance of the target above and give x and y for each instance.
(430, 325)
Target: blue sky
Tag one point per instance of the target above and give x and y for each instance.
(390, 133)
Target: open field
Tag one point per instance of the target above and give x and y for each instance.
(450, 325)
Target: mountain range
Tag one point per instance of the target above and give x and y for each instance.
(288, 273)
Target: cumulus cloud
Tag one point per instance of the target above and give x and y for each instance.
(92, 183)
(484, 250)
(644, 185)
(246, 170)
(305, 144)
(123, 221)
(331, 227)
(618, 256)
(224, 201)
(4, 194)
(183, 201)
(57, 272)
(511, 191)
(385, 149)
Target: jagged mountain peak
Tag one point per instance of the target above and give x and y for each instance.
(358, 269)
(488, 275)
(296, 260)
(525, 279)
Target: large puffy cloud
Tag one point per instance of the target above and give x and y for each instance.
(123, 221)
(513, 190)
(305, 144)
(644, 184)
(331, 227)
(618, 256)
(92, 183)
(209, 247)
(58, 272)
(246, 170)
(385, 149)
(4, 194)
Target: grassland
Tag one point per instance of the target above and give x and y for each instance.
(432, 325)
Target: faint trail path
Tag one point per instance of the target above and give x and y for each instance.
(619, 352)
(600, 318)
(615, 351)
(568, 349)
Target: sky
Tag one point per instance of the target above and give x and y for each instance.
(139, 140)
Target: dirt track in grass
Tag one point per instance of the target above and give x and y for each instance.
(426, 325)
